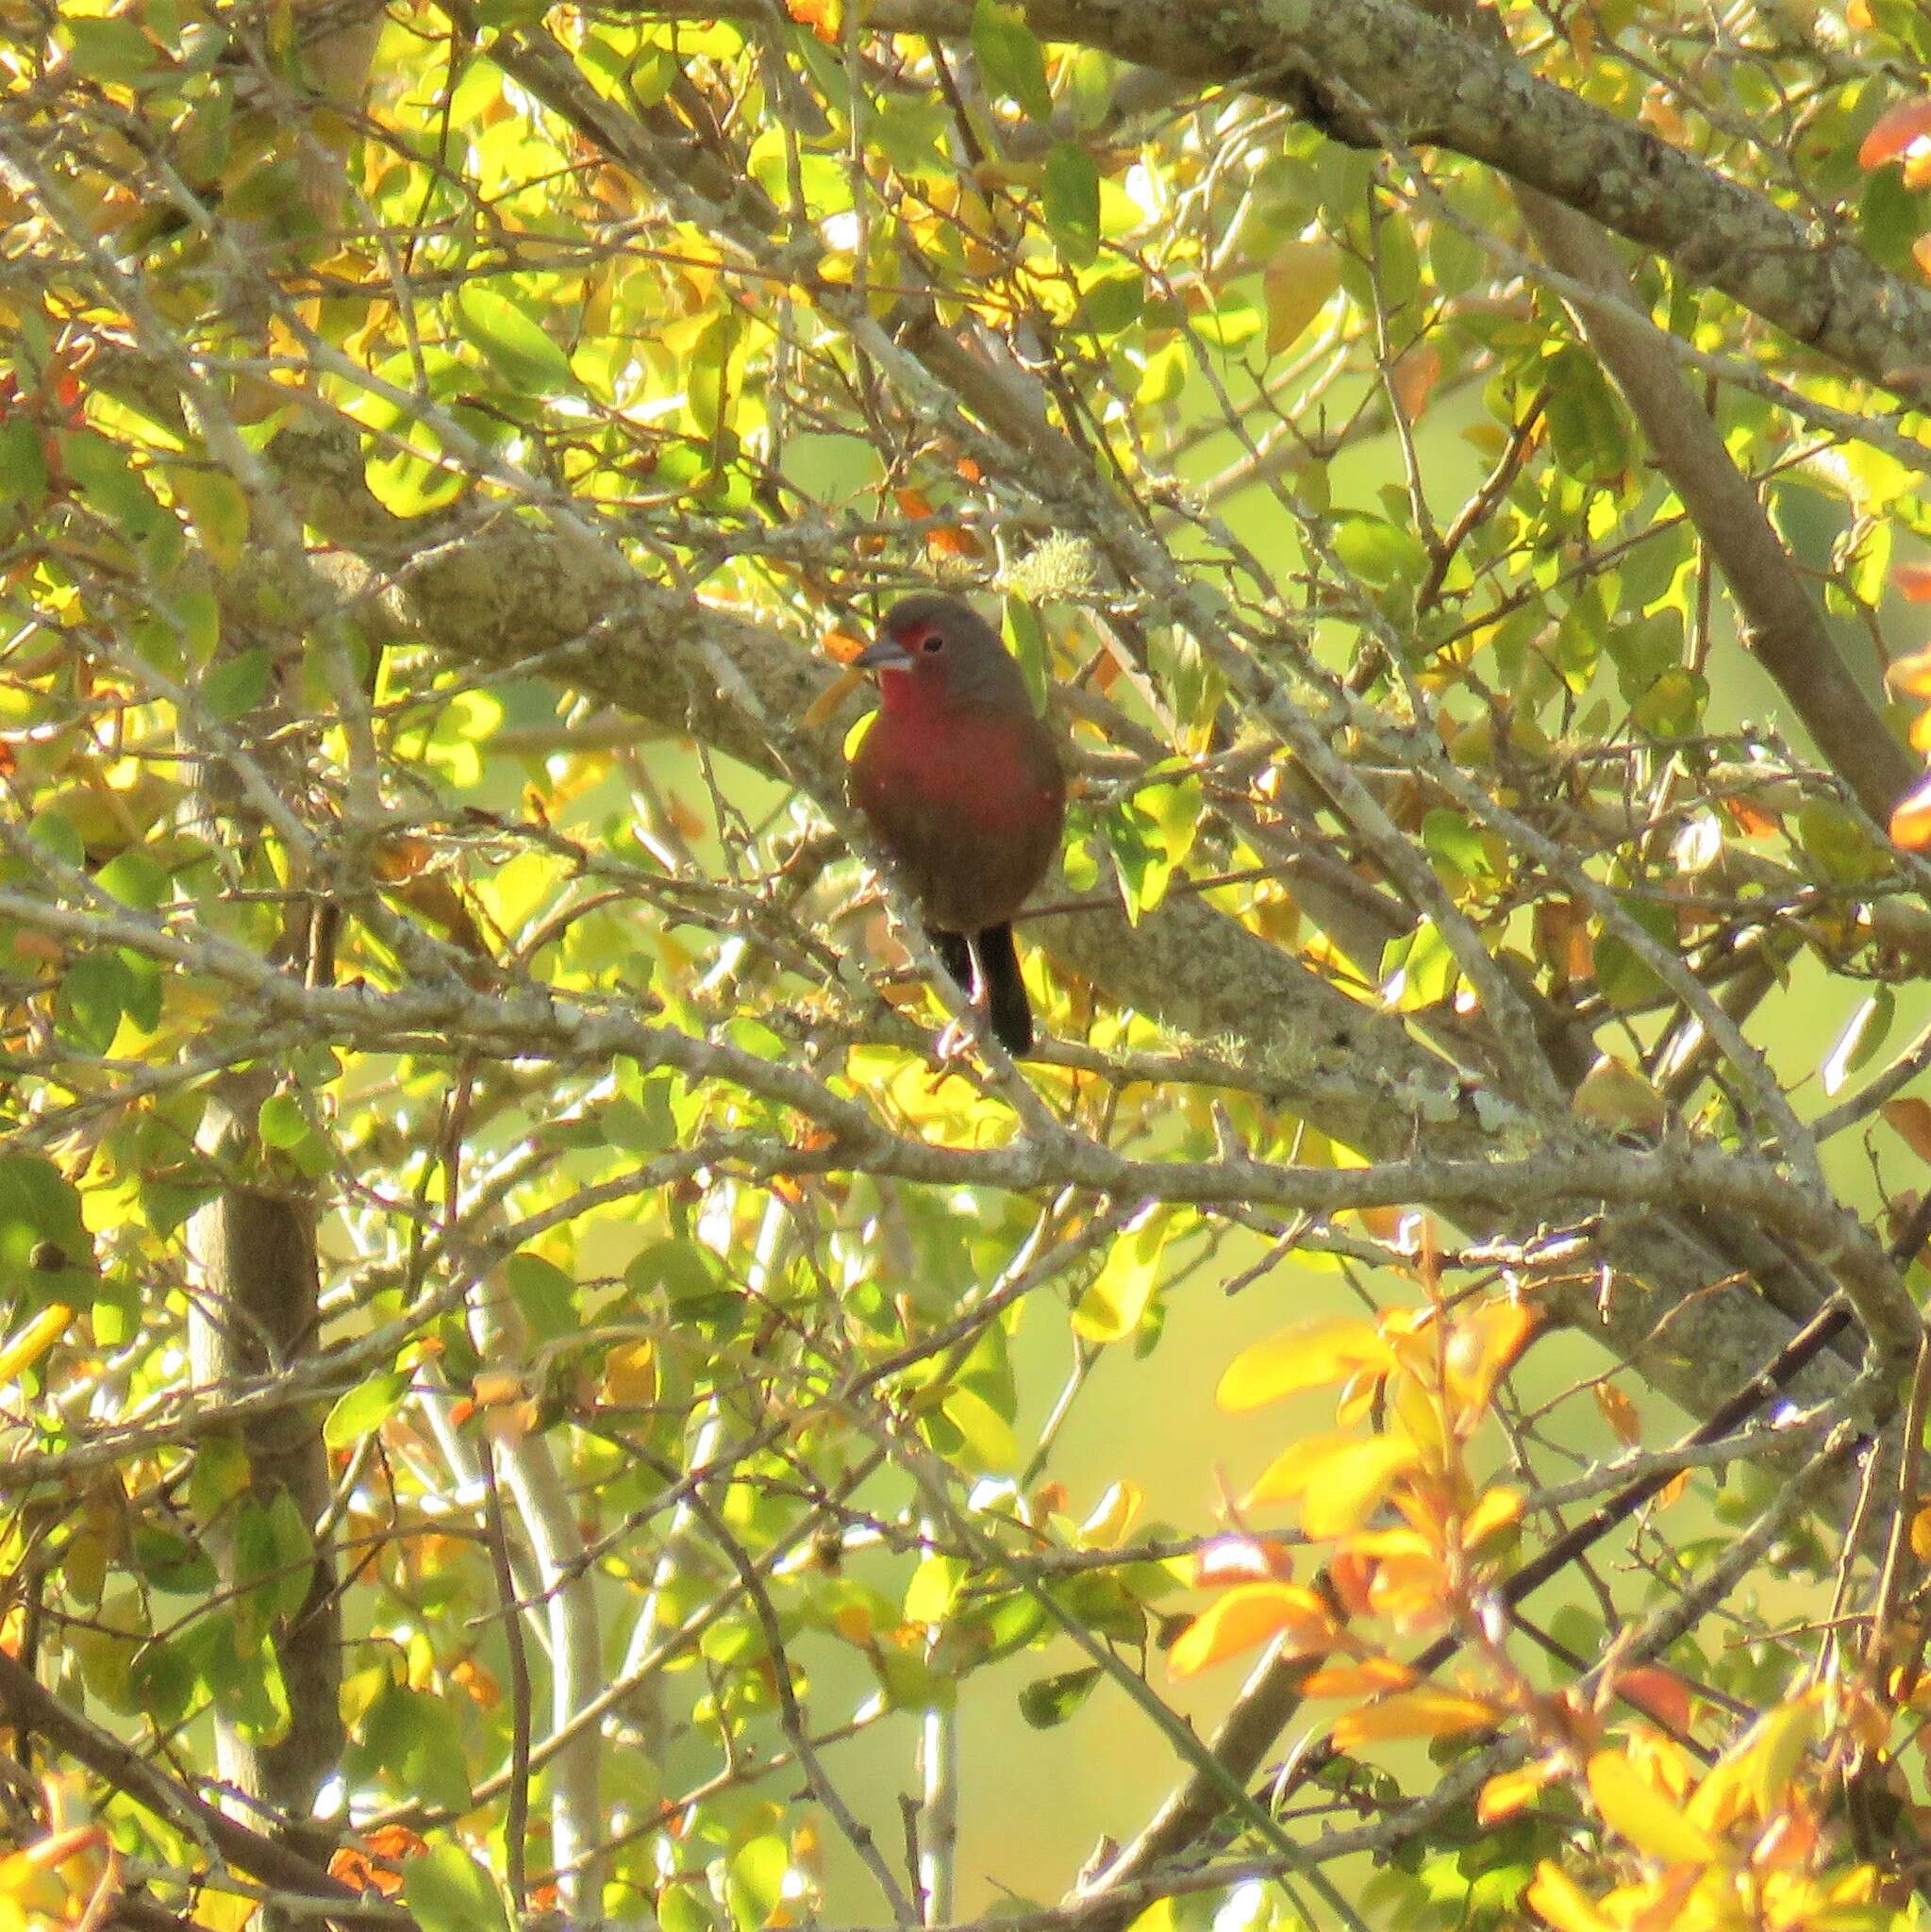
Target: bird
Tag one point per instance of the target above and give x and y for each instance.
(960, 782)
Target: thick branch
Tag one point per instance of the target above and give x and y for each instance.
(1431, 86)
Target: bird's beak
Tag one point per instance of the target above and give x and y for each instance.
(886, 654)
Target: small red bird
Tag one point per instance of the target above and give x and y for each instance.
(962, 785)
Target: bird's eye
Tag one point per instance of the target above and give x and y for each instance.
(931, 641)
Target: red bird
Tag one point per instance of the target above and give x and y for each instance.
(961, 784)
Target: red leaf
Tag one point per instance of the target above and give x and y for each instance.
(1895, 130)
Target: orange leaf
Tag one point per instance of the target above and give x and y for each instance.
(1414, 375)
(1911, 1119)
(1367, 1678)
(1657, 1692)
(912, 502)
(1921, 253)
(1482, 1347)
(1426, 1711)
(1910, 818)
(1249, 1614)
(953, 540)
(1508, 1791)
(1620, 1413)
(1921, 1534)
(1895, 130)
(1316, 1353)
(1910, 676)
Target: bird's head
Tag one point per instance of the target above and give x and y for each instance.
(933, 651)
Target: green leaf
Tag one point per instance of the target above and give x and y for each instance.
(513, 345)
(171, 1561)
(1111, 303)
(95, 992)
(1010, 56)
(934, 1587)
(1116, 1299)
(110, 486)
(757, 1881)
(1452, 841)
(293, 1542)
(1169, 815)
(38, 1209)
(1839, 846)
(1673, 706)
(22, 464)
(216, 507)
(448, 1892)
(1379, 552)
(112, 49)
(1071, 200)
(280, 1121)
(1049, 1701)
(362, 1410)
(233, 688)
(414, 1738)
(134, 878)
(988, 1441)
(545, 1296)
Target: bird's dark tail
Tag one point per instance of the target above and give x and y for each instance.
(1002, 989)
(955, 951)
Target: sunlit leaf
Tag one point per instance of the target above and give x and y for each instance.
(515, 346)
(1308, 1357)
(1116, 1299)
(1339, 1480)
(1251, 1614)
(1426, 1711)
(1634, 1806)
(1296, 283)
(448, 1892)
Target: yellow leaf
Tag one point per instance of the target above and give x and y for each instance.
(1309, 1357)
(1295, 284)
(1482, 1347)
(1508, 1791)
(1558, 1901)
(1111, 1307)
(1495, 1509)
(1339, 1480)
(1636, 1809)
(35, 1340)
(1112, 1515)
(1426, 1711)
(1614, 1094)
(1249, 1614)
(1921, 1534)
(1776, 1749)
(824, 705)
(216, 507)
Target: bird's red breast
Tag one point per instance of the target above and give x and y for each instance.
(967, 799)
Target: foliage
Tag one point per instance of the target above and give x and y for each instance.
(458, 1049)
